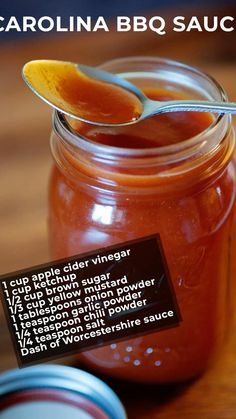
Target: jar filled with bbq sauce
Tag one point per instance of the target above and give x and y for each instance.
(171, 175)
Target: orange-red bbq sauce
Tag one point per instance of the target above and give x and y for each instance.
(191, 225)
(161, 130)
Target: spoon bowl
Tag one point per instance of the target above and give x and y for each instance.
(43, 77)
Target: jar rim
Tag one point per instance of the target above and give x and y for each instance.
(66, 132)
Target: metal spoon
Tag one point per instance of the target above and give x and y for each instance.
(149, 107)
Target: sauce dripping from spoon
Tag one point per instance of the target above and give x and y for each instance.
(65, 86)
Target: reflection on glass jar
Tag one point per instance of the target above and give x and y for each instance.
(173, 175)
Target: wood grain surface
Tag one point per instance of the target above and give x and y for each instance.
(25, 162)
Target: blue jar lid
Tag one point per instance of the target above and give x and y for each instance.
(58, 378)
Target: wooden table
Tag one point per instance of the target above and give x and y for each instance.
(25, 167)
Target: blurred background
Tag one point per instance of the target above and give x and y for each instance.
(25, 124)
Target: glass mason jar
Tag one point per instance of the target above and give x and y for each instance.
(102, 195)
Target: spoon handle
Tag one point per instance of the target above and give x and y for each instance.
(193, 105)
